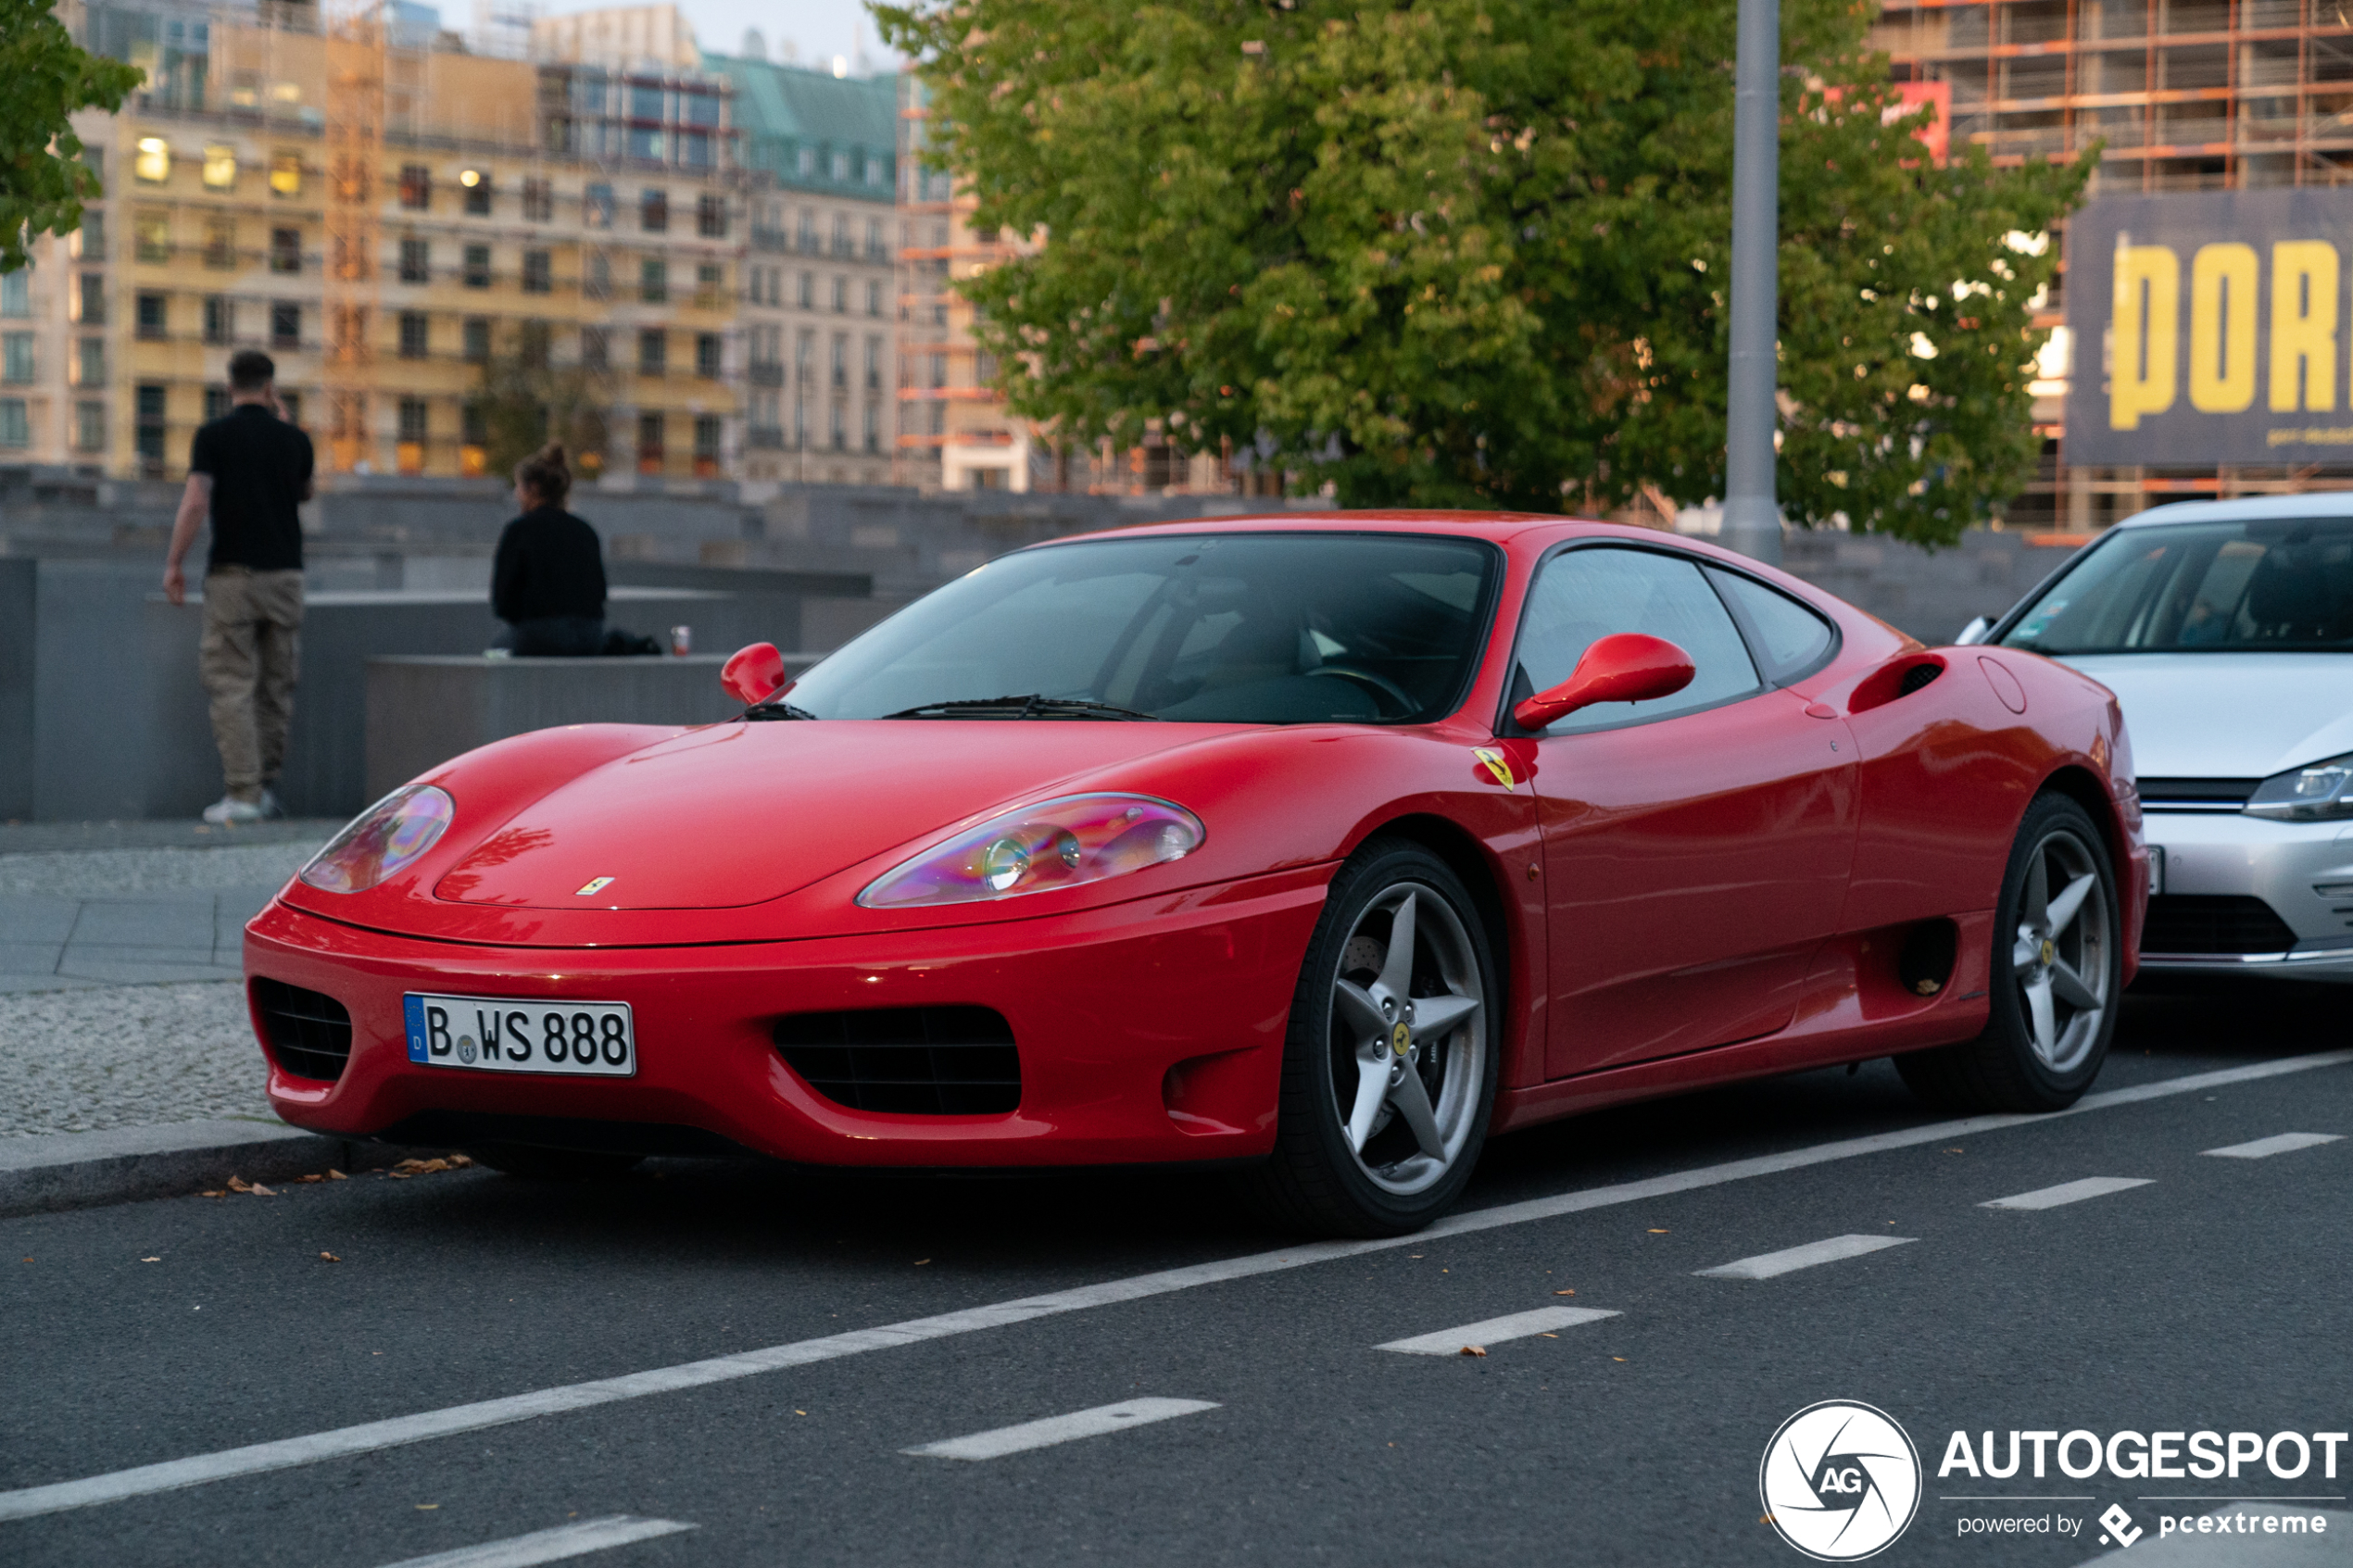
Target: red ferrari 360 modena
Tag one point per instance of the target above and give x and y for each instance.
(1319, 847)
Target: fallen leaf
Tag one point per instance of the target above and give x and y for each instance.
(1764, 1519)
(1564, 1293)
(801, 1413)
(142, 1260)
(314, 1176)
(1660, 1233)
(238, 1184)
(1618, 1358)
(1474, 1349)
(1948, 1152)
(335, 1175)
(921, 1261)
(260, 1191)
(460, 1162)
(427, 1507)
(420, 1167)
(1552, 1336)
(330, 1257)
(215, 1194)
(397, 1176)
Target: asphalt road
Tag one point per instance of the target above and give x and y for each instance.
(2218, 1295)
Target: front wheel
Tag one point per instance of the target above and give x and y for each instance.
(2057, 975)
(1389, 1067)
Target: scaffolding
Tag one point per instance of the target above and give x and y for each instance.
(355, 144)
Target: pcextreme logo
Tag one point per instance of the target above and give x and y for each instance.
(1840, 1480)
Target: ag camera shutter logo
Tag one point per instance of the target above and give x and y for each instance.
(1841, 1481)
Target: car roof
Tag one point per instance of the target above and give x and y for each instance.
(2246, 508)
(1496, 526)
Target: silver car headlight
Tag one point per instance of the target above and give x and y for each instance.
(2309, 793)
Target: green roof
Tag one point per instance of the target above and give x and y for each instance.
(785, 111)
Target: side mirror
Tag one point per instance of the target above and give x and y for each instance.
(1628, 667)
(1974, 632)
(752, 674)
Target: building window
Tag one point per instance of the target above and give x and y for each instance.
(841, 235)
(149, 431)
(874, 364)
(595, 206)
(477, 339)
(286, 250)
(221, 169)
(530, 344)
(90, 427)
(694, 148)
(415, 187)
(477, 188)
(650, 443)
(838, 165)
(596, 280)
(290, 401)
(710, 286)
(708, 428)
(151, 162)
(90, 240)
(416, 261)
(707, 355)
(90, 361)
(653, 351)
(841, 362)
(285, 178)
(220, 319)
(594, 349)
(874, 297)
(807, 295)
(804, 351)
(220, 243)
(653, 212)
(538, 276)
(644, 103)
(413, 327)
(15, 429)
(216, 402)
(698, 108)
(805, 163)
(88, 305)
(841, 294)
(538, 201)
(875, 250)
(16, 292)
(414, 419)
(653, 280)
(285, 324)
(151, 236)
(645, 144)
(151, 316)
(808, 235)
(710, 217)
(840, 429)
(873, 427)
(477, 266)
(475, 423)
(16, 357)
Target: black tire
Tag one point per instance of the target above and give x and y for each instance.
(2003, 1069)
(552, 1164)
(1316, 1181)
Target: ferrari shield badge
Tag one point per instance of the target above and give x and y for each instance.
(596, 884)
(1498, 766)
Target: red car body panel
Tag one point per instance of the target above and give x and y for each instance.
(1700, 898)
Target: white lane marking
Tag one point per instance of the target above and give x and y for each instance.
(1494, 1331)
(550, 1546)
(1766, 1265)
(2067, 1192)
(1096, 1423)
(2278, 1143)
(171, 1474)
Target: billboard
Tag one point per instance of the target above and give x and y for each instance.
(2211, 328)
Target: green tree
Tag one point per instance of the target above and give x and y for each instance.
(43, 180)
(524, 401)
(1474, 252)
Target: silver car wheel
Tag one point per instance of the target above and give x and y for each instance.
(1408, 1052)
(2059, 957)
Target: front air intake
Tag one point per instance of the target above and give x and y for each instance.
(2191, 923)
(309, 1033)
(906, 1061)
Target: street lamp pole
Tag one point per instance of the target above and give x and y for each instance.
(1752, 515)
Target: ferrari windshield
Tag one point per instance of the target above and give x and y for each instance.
(1232, 628)
(2258, 586)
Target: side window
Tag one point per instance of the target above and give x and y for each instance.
(1790, 636)
(1583, 596)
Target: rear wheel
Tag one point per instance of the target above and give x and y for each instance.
(2058, 973)
(1388, 1071)
(552, 1164)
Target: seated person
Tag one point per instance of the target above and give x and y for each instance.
(548, 582)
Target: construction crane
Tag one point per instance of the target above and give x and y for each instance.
(355, 140)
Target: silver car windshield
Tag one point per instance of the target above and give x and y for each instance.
(2261, 586)
(1237, 628)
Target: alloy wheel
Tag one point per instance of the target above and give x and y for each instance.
(1407, 1040)
(2059, 957)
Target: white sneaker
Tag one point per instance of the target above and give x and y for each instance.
(271, 810)
(229, 809)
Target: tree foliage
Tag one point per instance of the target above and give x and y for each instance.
(524, 401)
(43, 180)
(1475, 252)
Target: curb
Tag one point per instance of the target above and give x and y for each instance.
(62, 1171)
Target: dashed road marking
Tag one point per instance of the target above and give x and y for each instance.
(2067, 1192)
(258, 1458)
(1100, 1422)
(1767, 1266)
(550, 1546)
(1517, 1325)
(2279, 1143)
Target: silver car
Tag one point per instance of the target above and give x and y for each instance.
(2225, 628)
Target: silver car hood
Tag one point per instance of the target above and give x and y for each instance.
(2228, 715)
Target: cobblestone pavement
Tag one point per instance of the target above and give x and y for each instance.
(127, 1056)
(73, 919)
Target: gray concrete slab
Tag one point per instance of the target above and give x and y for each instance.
(36, 918)
(185, 922)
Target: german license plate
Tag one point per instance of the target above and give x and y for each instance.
(502, 1035)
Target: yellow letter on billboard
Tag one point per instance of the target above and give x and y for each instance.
(2223, 285)
(2303, 325)
(2146, 348)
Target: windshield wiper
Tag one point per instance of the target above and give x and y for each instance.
(771, 710)
(1034, 705)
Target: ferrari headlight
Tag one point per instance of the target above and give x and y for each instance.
(2309, 793)
(383, 841)
(1064, 843)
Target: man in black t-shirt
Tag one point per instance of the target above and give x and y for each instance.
(249, 469)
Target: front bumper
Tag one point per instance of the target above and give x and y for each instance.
(1148, 1032)
(2302, 871)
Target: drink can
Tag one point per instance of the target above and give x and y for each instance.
(682, 641)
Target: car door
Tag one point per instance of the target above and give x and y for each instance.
(1696, 846)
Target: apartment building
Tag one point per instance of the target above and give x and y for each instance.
(818, 315)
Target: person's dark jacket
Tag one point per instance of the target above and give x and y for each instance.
(550, 563)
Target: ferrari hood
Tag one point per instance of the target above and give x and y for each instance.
(739, 814)
(2228, 715)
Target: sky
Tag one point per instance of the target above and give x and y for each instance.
(819, 29)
